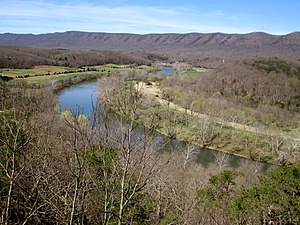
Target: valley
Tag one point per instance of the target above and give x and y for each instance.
(101, 128)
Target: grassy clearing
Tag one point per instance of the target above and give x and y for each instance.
(45, 74)
(112, 68)
(46, 79)
(37, 70)
(195, 71)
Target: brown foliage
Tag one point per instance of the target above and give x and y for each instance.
(270, 95)
(26, 57)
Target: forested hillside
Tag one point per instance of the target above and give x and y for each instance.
(26, 57)
(242, 44)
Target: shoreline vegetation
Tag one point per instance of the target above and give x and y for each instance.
(152, 90)
(247, 138)
(261, 93)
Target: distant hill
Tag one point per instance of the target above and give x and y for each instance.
(235, 44)
(207, 50)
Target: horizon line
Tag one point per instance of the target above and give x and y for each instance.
(152, 33)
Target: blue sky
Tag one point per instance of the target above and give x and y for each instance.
(154, 16)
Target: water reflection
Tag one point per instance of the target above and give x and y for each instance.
(166, 70)
(82, 96)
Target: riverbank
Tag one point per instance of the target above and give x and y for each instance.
(210, 132)
(60, 84)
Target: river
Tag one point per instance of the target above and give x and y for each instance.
(83, 96)
(166, 70)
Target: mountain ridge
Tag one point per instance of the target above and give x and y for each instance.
(234, 45)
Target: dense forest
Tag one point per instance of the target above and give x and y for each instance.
(252, 83)
(26, 57)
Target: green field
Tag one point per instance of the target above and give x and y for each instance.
(195, 71)
(45, 79)
(37, 70)
(44, 74)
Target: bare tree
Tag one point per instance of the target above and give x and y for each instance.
(14, 143)
(135, 145)
(188, 154)
(221, 161)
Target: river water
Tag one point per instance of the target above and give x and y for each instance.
(166, 70)
(81, 98)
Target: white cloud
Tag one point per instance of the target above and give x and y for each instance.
(41, 17)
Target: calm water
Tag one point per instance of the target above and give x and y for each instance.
(166, 70)
(79, 97)
(83, 96)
